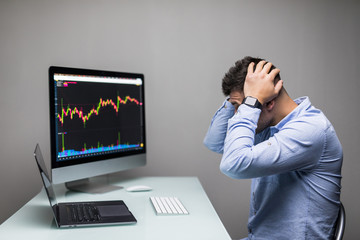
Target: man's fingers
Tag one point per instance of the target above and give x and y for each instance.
(278, 86)
(267, 67)
(260, 66)
(251, 68)
(273, 73)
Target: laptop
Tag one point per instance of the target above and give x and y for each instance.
(82, 214)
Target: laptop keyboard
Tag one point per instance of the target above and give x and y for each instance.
(84, 213)
(168, 206)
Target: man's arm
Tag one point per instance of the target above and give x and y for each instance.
(297, 147)
(215, 136)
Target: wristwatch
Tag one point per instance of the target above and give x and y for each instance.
(252, 102)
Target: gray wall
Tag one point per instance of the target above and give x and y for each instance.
(183, 48)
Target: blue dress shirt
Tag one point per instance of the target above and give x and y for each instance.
(295, 167)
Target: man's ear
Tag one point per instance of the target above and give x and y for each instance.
(270, 105)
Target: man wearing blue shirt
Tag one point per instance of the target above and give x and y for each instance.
(287, 147)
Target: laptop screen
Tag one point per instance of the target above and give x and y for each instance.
(45, 177)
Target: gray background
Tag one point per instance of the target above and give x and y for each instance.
(183, 48)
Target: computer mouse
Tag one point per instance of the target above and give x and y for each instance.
(138, 188)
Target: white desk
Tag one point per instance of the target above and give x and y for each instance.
(35, 220)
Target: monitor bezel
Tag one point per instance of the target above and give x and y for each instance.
(90, 159)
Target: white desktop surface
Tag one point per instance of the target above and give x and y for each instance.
(35, 219)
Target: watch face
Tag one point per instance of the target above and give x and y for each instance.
(251, 101)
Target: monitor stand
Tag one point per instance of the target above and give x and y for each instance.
(87, 186)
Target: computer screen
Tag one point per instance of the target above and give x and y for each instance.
(97, 122)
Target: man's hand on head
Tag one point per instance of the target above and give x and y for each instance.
(260, 83)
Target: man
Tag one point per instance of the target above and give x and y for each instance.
(288, 148)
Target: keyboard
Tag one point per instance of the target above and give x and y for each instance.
(84, 213)
(168, 206)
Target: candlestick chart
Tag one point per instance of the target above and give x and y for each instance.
(91, 117)
(70, 112)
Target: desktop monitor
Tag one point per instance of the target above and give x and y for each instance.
(97, 124)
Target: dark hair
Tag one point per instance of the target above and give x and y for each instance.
(234, 79)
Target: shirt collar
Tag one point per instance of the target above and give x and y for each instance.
(303, 104)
